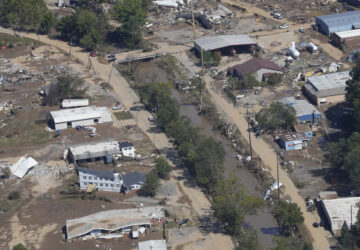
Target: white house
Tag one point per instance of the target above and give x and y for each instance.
(74, 103)
(103, 180)
(85, 116)
(127, 149)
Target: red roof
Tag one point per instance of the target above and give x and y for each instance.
(254, 65)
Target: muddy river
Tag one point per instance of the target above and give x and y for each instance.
(263, 222)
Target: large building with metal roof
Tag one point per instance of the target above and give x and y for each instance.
(225, 43)
(347, 40)
(305, 112)
(85, 116)
(328, 88)
(338, 22)
(341, 212)
(100, 180)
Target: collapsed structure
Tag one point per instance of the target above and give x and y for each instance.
(93, 151)
(114, 223)
(327, 88)
(226, 44)
(85, 116)
(23, 166)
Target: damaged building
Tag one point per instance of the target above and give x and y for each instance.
(115, 223)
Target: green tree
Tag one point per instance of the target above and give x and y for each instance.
(151, 185)
(211, 58)
(47, 22)
(247, 82)
(163, 168)
(353, 94)
(19, 246)
(66, 87)
(275, 79)
(278, 116)
(288, 215)
(209, 163)
(290, 243)
(232, 204)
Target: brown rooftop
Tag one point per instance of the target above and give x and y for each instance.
(254, 65)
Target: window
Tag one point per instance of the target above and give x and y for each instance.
(102, 179)
(90, 183)
(96, 120)
(101, 184)
(106, 185)
(90, 178)
(84, 177)
(117, 185)
(95, 178)
(159, 219)
(112, 185)
(85, 183)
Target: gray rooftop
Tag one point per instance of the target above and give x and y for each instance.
(133, 178)
(293, 136)
(339, 19)
(218, 42)
(302, 107)
(94, 150)
(328, 85)
(99, 173)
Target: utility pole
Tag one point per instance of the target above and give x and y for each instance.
(248, 122)
(193, 18)
(277, 173)
(112, 66)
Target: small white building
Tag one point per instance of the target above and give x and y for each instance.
(85, 116)
(23, 166)
(127, 149)
(74, 103)
(340, 212)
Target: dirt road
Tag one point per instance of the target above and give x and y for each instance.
(127, 97)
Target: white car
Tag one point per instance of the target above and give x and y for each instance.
(117, 106)
(284, 26)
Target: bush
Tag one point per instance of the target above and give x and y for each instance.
(19, 246)
(211, 59)
(275, 79)
(14, 195)
(162, 168)
(151, 185)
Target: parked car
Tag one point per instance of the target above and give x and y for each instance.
(93, 54)
(117, 106)
(301, 30)
(110, 60)
(284, 26)
(110, 56)
(277, 15)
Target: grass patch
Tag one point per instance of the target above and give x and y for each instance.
(32, 134)
(12, 41)
(123, 115)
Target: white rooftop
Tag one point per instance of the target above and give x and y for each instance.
(78, 114)
(339, 211)
(217, 42)
(72, 103)
(348, 33)
(329, 81)
(20, 168)
(302, 107)
(152, 245)
(111, 146)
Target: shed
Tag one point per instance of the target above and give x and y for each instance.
(85, 116)
(74, 103)
(260, 67)
(337, 22)
(133, 181)
(93, 151)
(152, 245)
(341, 212)
(127, 149)
(327, 88)
(293, 141)
(347, 39)
(224, 43)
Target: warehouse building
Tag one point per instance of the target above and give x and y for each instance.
(133, 181)
(340, 212)
(226, 44)
(293, 141)
(85, 116)
(100, 180)
(347, 40)
(93, 151)
(329, 88)
(115, 223)
(338, 22)
(305, 112)
(261, 68)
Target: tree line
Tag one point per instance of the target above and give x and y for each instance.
(88, 26)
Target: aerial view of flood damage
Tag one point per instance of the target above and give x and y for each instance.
(179, 124)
